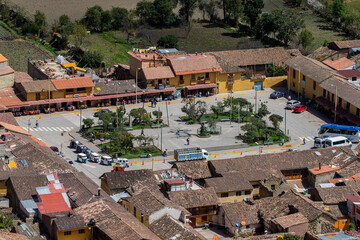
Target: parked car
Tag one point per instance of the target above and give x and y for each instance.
(96, 114)
(74, 143)
(55, 149)
(80, 148)
(277, 94)
(292, 103)
(70, 162)
(300, 108)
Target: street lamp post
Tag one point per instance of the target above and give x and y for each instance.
(298, 81)
(136, 84)
(285, 122)
(259, 146)
(335, 101)
(81, 115)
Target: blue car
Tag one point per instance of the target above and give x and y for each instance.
(277, 94)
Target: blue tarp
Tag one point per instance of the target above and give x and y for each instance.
(342, 127)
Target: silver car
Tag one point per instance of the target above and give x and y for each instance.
(292, 103)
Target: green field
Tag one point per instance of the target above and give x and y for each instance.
(112, 45)
(4, 33)
(355, 5)
(18, 52)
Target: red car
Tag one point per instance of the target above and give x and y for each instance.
(300, 108)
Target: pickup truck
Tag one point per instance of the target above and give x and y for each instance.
(187, 154)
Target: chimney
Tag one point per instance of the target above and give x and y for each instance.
(319, 166)
(99, 190)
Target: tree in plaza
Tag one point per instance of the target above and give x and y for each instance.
(338, 9)
(305, 38)
(80, 33)
(118, 16)
(158, 115)
(255, 130)
(88, 122)
(107, 120)
(196, 111)
(92, 19)
(252, 9)
(121, 110)
(168, 41)
(263, 111)
(276, 120)
(217, 109)
(122, 142)
(138, 115)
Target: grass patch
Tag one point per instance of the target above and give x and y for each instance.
(135, 152)
(112, 45)
(276, 139)
(18, 52)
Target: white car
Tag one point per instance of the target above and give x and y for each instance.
(292, 103)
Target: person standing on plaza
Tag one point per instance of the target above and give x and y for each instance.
(304, 141)
(188, 141)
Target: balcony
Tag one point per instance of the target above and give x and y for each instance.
(75, 94)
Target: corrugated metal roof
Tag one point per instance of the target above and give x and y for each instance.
(43, 190)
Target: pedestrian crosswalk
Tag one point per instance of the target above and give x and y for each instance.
(308, 138)
(49, 129)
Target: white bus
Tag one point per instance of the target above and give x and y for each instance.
(334, 130)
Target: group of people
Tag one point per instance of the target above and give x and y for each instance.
(153, 102)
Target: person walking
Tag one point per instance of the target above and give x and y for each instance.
(154, 103)
(37, 124)
(282, 141)
(188, 141)
(289, 98)
(304, 141)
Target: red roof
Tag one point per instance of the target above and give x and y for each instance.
(349, 73)
(202, 86)
(77, 82)
(194, 64)
(339, 64)
(324, 169)
(352, 198)
(174, 181)
(51, 203)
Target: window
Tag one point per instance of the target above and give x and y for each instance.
(81, 89)
(160, 81)
(256, 186)
(247, 192)
(314, 85)
(207, 75)
(348, 106)
(69, 90)
(223, 195)
(192, 76)
(134, 211)
(272, 187)
(67, 233)
(303, 78)
(152, 83)
(294, 73)
(238, 193)
(324, 93)
(354, 78)
(181, 79)
(358, 112)
(37, 96)
(204, 218)
(167, 81)
(332, 97)
(293, 84)
(211, 207)
(340, 102)
(81, 231)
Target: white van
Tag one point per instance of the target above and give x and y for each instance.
(123, 161)
(336, 142)
(94, 157)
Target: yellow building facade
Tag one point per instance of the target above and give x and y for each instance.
(75, 234)
(134, 211)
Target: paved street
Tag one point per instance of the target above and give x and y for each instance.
(51, 127)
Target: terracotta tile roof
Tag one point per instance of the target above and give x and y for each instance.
(122, 180)
(12, 236)
(230, 182)
(273, 163)
(151, 73)
(194, 198)
(22, 77)
(350, 170)
(8, 117)
(291, 220)
(6, 70)
(39, 142)
(115, 87)
(323, 169)
(232, 60)
(2, 58)
(335, 195)
(38, 86)
(64, 223)
(25, 186)
(340, 63)
(316, 70)
(77, 82)
(194, 64)
(349, 73)
(13, 128)
(8, 97)
(194, 169)
(346, 90)
(241, 211)
(148, 202)
(346, 44)
(169, 228)
(322, 53)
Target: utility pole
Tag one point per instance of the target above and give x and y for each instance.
(81, 115)
(160, 125)
(239, 118)
(255, 100)
(231, 103)
(285, 122)
(167, 114)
